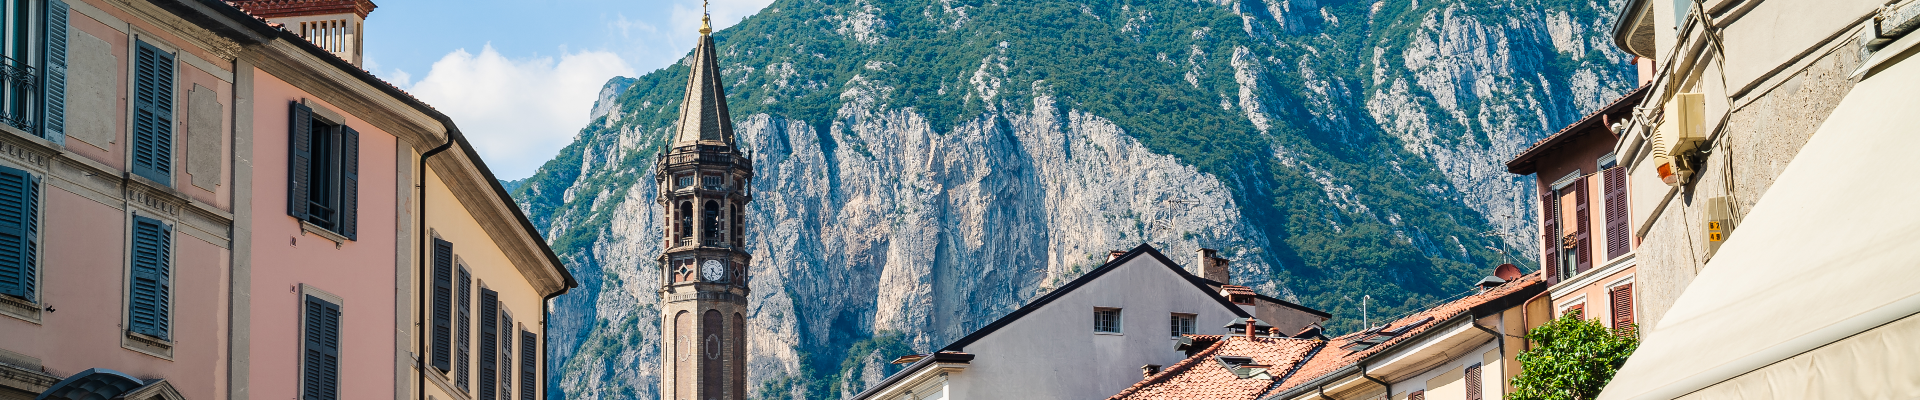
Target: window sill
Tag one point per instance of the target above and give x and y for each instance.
(1109, 334)
(20, 308)
(148, 345)
(316, 230)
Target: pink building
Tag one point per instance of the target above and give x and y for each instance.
(198, 202)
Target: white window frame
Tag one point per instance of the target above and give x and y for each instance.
(1118, 324)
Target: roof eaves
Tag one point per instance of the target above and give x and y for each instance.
(936, 357)
(1522, 163)
(1137, 251)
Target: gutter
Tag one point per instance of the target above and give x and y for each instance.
(1625, 23)
(1363, 374)
(1501, 341)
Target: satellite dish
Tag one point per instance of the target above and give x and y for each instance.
(92, 384)
(1507, 272)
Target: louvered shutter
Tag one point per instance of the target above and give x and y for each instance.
(349, 224)
(1578, 309)
(489, 344)
(442, 305)
(527, 366)
(1615, 183)
(506, 354)
(1474, 389)
(1550, 237)
(152, 261)
(1583, 252)
(153, 113)
(463, 349)
(1417, 395)
(53, 118)
(1622, 299)
(322, 370)
(19, 217)
(299, 160)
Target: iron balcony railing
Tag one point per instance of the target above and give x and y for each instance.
(19, 94)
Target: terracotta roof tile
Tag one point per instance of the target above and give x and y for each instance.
(1334, 357)
(295, 8)
(1201, 377)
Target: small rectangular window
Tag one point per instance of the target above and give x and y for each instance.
(321, 372)
(19, 233)
(686, 181)
(151, 288)
(1474, 391)
(712, 182)
(463, 349)
(1106, 320)
(1182, 324)
(323, 178)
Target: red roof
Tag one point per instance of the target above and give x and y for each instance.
(1335, 358)
(1201, 377)
(299, 8)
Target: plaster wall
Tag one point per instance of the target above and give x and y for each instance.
(1053, 352)
(447, 216)
(360, 272)
(1444, 380)
(1596, 296)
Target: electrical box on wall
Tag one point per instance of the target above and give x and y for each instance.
(1719, 222)
(1674, 140)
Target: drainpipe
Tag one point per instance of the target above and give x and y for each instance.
(426, 243)
(1501, 341)
(1323, 392)
(544, 338)
(1524, 306)
(1363, 374)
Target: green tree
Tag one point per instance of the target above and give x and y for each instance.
(1572, 359)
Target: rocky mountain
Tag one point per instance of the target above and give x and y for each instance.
(926, 166)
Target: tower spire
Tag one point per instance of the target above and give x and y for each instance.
(703, 113)
(706, 19)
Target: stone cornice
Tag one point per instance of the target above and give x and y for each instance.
(309, 73)
(498, 219)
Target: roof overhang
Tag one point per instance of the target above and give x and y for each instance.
(928, 368)
(1452, 338)
(1633, 29)
(1527, 161)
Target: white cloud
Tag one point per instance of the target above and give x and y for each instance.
(518, 112)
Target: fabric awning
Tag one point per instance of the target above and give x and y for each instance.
(1833, 250)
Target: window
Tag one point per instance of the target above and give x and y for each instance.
(527, 366)
(506, 353)
(152, 133)
(686, 181)
(1182, 324)
(1417, 395)
(464, 328)
(443, 305)
(33, 67)
(489, 344)
(1622, 299)
(320, 378)
(152, 265)
(1106, 320)
(323, 172)
(1474, 391)
(1614, 182)
(19, 234)
(712, 182)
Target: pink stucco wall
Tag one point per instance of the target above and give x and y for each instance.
(360, 272)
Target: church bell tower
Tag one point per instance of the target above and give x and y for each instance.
(703, 180)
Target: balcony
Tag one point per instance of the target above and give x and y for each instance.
(20, 103)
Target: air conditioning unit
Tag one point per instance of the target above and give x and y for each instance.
(1674, 140)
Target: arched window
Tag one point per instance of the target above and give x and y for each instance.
(686, 220)
(712, 221)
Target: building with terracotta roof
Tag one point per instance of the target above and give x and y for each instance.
(1089, 338)
(1228, 367)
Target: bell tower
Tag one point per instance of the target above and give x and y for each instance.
(703, 181)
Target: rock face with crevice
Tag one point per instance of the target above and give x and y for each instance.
(927, 166)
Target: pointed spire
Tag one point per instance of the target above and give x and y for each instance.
(703, 114)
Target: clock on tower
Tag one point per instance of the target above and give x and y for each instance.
(704, 183)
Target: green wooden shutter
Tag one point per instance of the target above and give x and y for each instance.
(299, 160)
(18, 217)
(322, 369)
(489, 344)
(153, 113)
(506, 354)
(349, 206)
(442, 305)
(527, 367)
(53, 120)
(463, 351)
(152, 264)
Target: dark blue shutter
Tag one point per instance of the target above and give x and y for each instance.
(489, 344)
(442, 305)
(506, 354)
(349, 206)
(152, 263)
(527, 358)
(53, 121)
(322, 380)
(19, 211)
(463, 351)
(299, 160)
(153, 113)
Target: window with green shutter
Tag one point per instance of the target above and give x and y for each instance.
(527, 366)
(53, 106)
(323, 172)
(152, 265)
(489, 345)
(320, 376)
(443, 305)
(152, 127)
(462, 350)
(19, 232)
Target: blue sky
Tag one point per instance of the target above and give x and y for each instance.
(521, 76)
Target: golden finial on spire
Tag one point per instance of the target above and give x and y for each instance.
(706, 19)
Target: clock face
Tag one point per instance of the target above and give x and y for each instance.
(713, 271)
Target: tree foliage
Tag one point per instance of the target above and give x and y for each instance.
(1572, 359)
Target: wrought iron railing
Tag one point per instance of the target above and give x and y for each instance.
(19, 94)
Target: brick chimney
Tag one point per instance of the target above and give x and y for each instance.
(334, 25)
(1115, 255)
(1213, 267)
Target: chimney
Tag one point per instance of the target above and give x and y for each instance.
(1115, 255)
(1147, 371)
(1214, 268)
(334, 25)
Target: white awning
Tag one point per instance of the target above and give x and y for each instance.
(1833, 250)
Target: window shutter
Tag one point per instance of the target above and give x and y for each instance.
(527, 366)
(1617, 230)
(349, 223)
(1550, 237)
(1583, 253)
(299, 160)
(1474, 391)
(1622, 299)
(489, 344)
(18, 218)
(322, 381)
(506, 354)
(152, 259)
(53, 120)
(1418, 395)
(443, 305)
(153, 113)
(463, 351)
(1579, 309)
